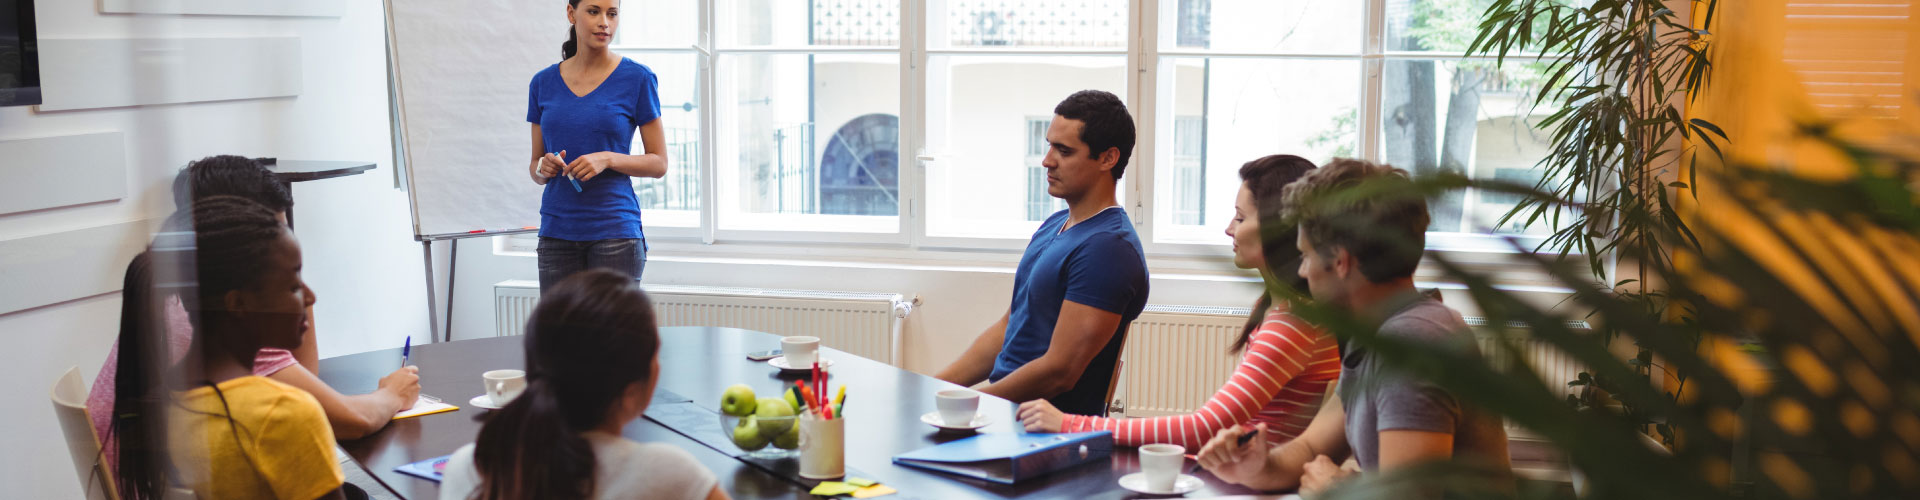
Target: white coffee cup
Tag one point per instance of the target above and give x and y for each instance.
(957, 406)
(1161, 463)
(504, 385)
(800, 351)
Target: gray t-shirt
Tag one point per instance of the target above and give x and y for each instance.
(624, 469)
(1381, 399)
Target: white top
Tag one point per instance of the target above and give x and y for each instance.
(623, 469)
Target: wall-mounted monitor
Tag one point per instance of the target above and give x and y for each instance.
(19, 54)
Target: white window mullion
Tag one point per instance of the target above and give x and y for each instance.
(1144, 44)
(1371, 80)
(913, 122)
(709, 109)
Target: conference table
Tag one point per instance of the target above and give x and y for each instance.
(883, 408)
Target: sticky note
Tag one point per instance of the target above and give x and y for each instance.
(861, 482)
(834, 488)
(878, 490)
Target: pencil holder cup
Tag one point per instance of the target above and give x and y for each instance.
(823, 447)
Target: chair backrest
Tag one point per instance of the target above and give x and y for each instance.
(1114, 382)
(70, 406)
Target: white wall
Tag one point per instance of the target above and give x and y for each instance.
(359, 255)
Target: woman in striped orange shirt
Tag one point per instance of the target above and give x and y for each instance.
(1287, 365)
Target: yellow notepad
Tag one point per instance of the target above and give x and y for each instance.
(425, 405)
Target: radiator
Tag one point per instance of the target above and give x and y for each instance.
(868, 325)
(1176, 357)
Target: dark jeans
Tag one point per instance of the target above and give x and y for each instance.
(561, 258)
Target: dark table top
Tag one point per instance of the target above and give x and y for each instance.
(883, 403)
(308, 170)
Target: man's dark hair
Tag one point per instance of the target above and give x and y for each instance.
(1107, 124)
(1382, 224)
(229, 175)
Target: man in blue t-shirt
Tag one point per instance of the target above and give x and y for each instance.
(1083, 279)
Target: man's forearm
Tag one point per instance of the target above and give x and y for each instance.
(1037, 380)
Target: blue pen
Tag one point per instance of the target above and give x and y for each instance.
(406, 352)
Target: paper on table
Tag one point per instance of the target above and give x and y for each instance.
(877, 490)
(834, 488)
(425, 405)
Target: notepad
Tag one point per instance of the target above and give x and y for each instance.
(425, 405)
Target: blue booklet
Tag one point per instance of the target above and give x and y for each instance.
(430, 469)
(1009, 458)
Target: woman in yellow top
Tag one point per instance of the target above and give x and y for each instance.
(230, 433)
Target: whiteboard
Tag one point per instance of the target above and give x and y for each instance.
(460, 74)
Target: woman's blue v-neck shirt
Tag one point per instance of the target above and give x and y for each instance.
(603, 120)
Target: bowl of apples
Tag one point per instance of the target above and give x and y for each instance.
(765, 428)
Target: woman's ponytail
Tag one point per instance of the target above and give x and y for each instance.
(571, 46)
(560, 466)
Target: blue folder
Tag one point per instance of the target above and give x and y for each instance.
(429, 469)
(1009, 458)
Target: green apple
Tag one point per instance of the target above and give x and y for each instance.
(747, 435)
(788, 440)
(737, 401)
(772, 413)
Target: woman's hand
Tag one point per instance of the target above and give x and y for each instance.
(585, 167)
(548, 166)
(1040, 416)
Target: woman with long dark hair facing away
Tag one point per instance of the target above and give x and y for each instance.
(1286, 364)
(208, 423)
(584, 112)
(592, 364)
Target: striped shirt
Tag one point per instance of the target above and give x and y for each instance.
(1280, 382)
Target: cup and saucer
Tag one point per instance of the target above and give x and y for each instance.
(1160, 472)
(502, 387)
(958, 410)
(799, 353)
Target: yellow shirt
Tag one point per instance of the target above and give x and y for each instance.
(284, 447)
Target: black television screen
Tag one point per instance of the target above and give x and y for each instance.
(19, 55)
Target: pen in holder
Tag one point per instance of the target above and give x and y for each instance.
(823, 447)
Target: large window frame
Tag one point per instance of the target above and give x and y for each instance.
(1144, 55)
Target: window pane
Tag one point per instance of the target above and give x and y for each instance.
(1226, 112)
(808, 134)
(1441, 25)
(987, 122)
(659, 23)
(1293, 26)
(750, 23)
(1468, 118)
(1027, 23)
(675, 199)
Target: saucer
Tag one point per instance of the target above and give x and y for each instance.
(933, 419)
(781, 363)
(484, 401)
(1181, 485)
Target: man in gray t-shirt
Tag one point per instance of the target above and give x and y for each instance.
(1378, 400)
(1358, 254)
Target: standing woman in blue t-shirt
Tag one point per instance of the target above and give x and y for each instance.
(584, 111)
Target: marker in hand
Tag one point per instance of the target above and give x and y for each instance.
(563, 157)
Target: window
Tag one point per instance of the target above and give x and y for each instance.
(924, 123)
(1441, 113)
(1040, 205)
(808, 122)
